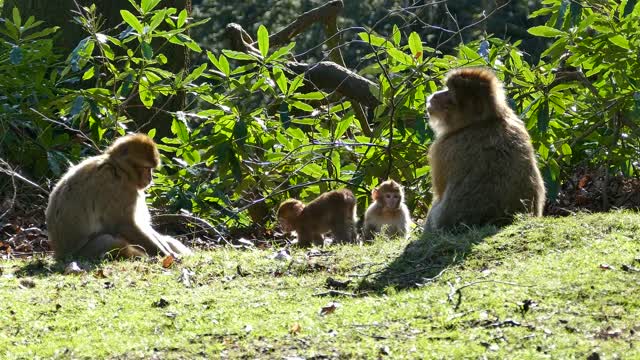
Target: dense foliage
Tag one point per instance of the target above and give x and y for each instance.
(253, 132)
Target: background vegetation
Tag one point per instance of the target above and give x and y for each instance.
(240, 131)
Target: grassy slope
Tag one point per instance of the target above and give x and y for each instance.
(533, 290)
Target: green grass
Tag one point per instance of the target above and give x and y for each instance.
(542, 288)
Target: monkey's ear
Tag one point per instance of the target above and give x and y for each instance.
(374, 193)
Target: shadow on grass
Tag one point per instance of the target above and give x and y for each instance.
(425, 259)
(41, 267)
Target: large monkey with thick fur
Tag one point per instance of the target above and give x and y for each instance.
(483, 166)
(98, 208)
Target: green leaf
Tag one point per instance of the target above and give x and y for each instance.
(400, 56)
(543, 116)
(179, 129)
(15, 56)
(302, 106)
(240, 132)
(620, 41)
(77, 106)
(182, 18)
(545, 31)
(222, 64)
(297, 82)
(16, 17)
(281, 52)
(280, 79)
(196, 73)
(561, 14)
(576, 12)
(237, 55)
(148, 5)
(263, 40)
(343, 125)
(566, 149)
(628, 8)
(130, 19)
(147, 51)
(335, 161)
(396, 35)
(43, 33)
(156, 20)
(313, 170)
(415, 45)
(145, 94)
(316, 95)
(89, 73)
(284, 115)
(374, 40)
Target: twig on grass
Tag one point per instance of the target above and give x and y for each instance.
(458, 290)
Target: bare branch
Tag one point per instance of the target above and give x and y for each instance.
(324, 13)
(327, 75)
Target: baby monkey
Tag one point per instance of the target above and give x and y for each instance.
(388, 211)
(333, 211)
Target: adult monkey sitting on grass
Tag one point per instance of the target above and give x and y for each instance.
(483, 166)
(98, 208)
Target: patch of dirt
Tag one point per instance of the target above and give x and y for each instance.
(591, 190)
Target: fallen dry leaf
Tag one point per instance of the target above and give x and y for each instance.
(330, 308)
(295, 329)
(606, 267)
(101, 274)
(168, 261)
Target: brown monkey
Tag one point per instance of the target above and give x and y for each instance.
(389, 210)
(483, 166)
(98, 208)
(333, 211)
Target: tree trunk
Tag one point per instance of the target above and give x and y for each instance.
(60, 13)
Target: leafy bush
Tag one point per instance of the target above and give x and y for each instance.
(255, 132)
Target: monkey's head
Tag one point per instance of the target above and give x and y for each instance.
(471, 95)
(288, 214)
(389, 194)
(137, 155)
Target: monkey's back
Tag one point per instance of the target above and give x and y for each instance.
(487, 172)
(79, 204)
(328, 209)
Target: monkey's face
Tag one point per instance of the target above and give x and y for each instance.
(145, 176)
(288, 213)
(391, 200)
(439, 105)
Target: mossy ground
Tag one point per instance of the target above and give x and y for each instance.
(555, 288)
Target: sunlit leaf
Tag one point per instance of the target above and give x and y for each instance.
(182, 18)
(131, 19)
(415, 45)
(545, 31)
(396, 35)
(620, 41)
(179, 129)
(263, 40)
